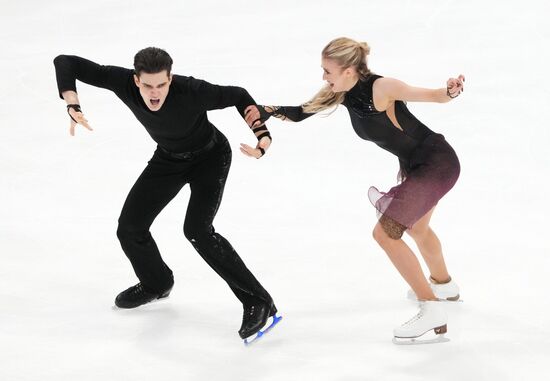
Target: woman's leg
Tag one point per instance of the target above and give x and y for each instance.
(403, 259)
(430, 247)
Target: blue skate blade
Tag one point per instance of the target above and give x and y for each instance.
(260, 334)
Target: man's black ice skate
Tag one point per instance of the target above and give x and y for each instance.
(136, 296)
(255, 317)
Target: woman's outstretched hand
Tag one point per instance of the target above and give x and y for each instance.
(455, 86)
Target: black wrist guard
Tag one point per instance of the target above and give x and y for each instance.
(264, 115)
(262, 135)
(262, 151)
(75, 107)
(449, 94)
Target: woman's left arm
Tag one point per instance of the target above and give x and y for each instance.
(387, 90)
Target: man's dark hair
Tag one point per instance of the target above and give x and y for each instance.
(152, 60)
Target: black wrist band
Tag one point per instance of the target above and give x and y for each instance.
(263, 135)
(262, 151)
(264, 115)
(261, 128)
(75, 107)
(275, 111)
(449, 94)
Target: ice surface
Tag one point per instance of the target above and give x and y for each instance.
(300, 217)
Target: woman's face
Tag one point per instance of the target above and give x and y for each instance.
(338, 78)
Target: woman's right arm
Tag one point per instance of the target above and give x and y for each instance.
(257, 116)
(387, 90)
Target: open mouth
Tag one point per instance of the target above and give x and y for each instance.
(155, 102)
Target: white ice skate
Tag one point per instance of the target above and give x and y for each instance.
(431, 316)
(446, 291)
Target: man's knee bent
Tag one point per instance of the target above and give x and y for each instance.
(128, 232)
(195, 233)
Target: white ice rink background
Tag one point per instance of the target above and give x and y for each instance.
(299, 218)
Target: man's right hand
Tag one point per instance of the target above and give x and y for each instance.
(77, 117)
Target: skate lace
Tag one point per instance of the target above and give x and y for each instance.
(248, 311)
(413, 319)
(138, 289)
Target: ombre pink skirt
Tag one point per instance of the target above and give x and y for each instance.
(432, 171)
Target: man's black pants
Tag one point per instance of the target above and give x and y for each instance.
(159, 183)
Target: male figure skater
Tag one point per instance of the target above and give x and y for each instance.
(190, 150)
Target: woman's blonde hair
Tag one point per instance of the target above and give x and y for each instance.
(346, 53)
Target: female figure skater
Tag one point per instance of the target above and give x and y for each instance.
(429, 168)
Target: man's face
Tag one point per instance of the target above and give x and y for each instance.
(153, 88)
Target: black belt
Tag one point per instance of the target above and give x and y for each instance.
(191, 154)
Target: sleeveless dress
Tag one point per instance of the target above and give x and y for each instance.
(429, 166)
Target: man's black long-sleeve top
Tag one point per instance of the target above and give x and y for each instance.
(181, 124)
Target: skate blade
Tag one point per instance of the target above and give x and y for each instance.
(418, 341)
(453, 299)
(423, 339)
(275, 320)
